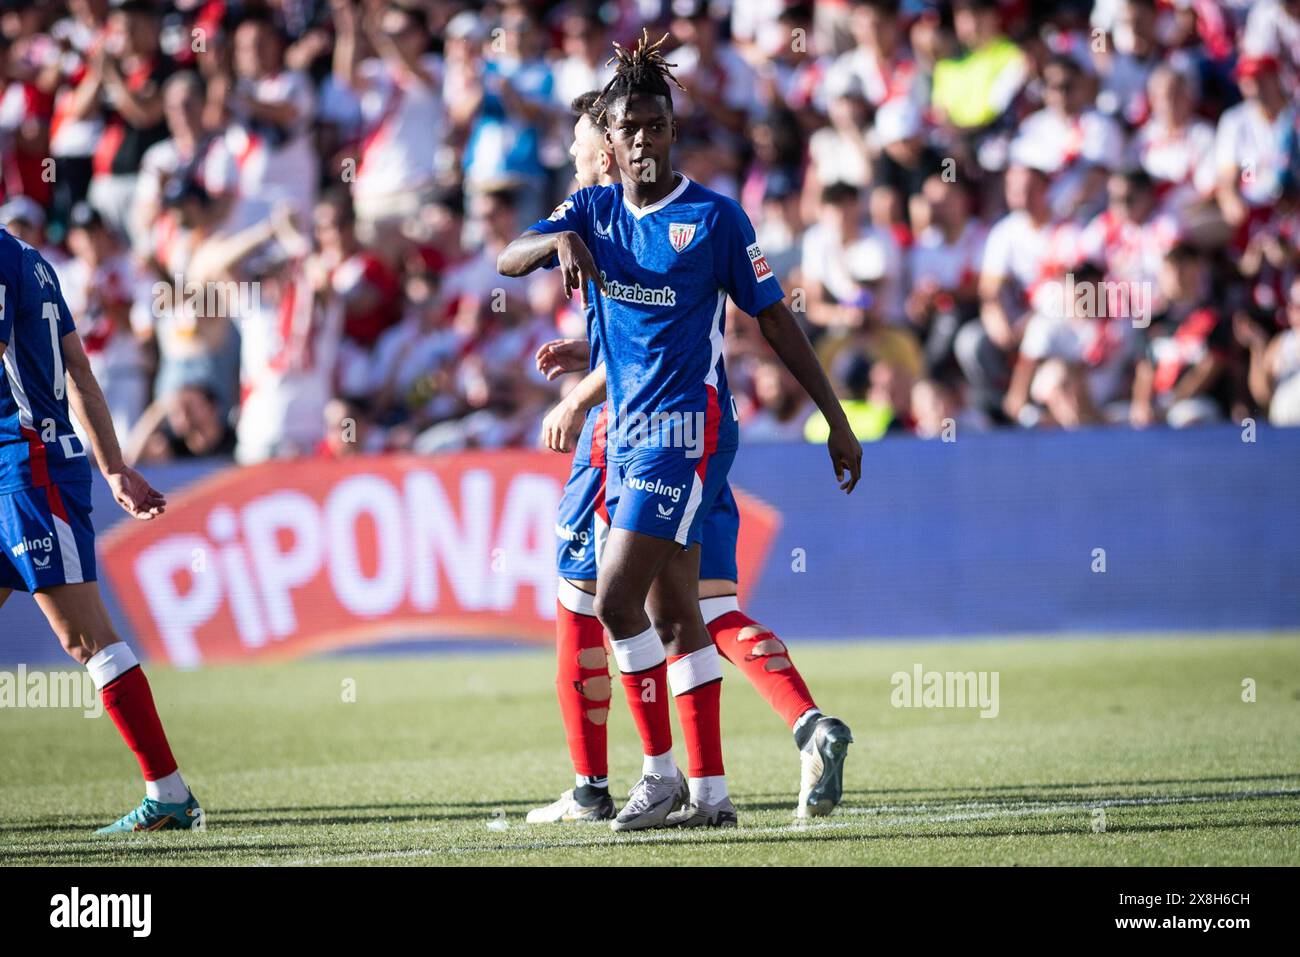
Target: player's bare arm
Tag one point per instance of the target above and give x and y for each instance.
(533, 249)
(793, 348)
(563, 424)
(131, 490)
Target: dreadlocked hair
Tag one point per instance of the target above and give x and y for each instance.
(642, 70)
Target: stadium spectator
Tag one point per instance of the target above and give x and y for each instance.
(122, 85)
(925, 178)
(970, 92)
(1176, 149)
(943, 265)
(1186, 376)
(1275, 364)
(402, 112)
(1069, 138)
(1256, 151)
(101, 286)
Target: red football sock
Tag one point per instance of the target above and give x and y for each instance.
(582, 683)
(129, 702)
(647, 698)
(763, 658)
(696, 681)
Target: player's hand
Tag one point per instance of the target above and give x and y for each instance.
(846, 456)
(133, 492)
(562, 426)
(563, 355)
(577, 266)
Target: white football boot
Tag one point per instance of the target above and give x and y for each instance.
(650, 802)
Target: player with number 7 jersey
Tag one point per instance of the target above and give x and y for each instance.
(46, 535)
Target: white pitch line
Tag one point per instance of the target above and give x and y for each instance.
(991, 810)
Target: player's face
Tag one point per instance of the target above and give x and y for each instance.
(590, 157)
(641, 134)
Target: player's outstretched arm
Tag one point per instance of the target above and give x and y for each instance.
(563, 424)
(136, 496)
(793, 348)
(533, 250)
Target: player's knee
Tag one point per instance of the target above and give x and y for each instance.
(81, 648)
(617, 616)
(672, 627)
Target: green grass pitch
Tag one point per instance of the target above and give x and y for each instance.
(1117, 751)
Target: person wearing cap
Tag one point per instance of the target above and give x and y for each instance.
(1255, 148)
(1273, 29)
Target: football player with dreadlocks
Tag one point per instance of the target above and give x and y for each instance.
(578, 424)
(660, 254)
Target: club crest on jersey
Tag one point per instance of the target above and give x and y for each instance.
(680, 235)
(756, 259)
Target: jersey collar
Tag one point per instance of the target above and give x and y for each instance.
(668, 200)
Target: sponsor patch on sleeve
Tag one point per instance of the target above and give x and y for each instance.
(756, 259)
(560, 210)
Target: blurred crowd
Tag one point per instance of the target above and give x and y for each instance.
(276, 223)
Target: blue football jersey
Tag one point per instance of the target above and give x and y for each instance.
(667, 269)
(591, 442)
(37, 444)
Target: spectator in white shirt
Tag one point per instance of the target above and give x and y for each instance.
(1176, 149)
(1077, 144)
(272, 110)
(1255, 145)
(401, 108)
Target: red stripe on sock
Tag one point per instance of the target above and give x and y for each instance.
(582, 685)
(129, 702)
(773, 675)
